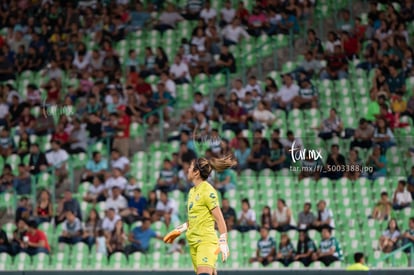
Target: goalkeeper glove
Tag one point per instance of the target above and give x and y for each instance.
(170, 237)
(223, 247)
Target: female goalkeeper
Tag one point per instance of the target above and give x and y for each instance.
(203, 210)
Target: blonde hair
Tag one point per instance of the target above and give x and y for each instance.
(206, 166)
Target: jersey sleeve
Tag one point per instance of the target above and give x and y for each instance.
(211, 198)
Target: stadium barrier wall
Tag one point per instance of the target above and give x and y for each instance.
(222, 272)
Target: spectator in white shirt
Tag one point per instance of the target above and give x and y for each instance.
(324, 217)
(208, 13)
(200, 104)
(253, 85)
(116, 180)
(116, 200)
(4, 112)
(179, 71)
(111, 218)
(169, 84)
(333, 41)
(247, 217)
(238, 89)
(227, 14)
(118, 161)
(262, 117)
(402, 198)
(168, 19)
(57, 158)
(81, 62)
(287, 93)
(167, 210)
(233, 33)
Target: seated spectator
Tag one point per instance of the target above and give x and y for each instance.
(257, 22)
(310, 168)
(116, 200)
(138, 17)
(71, 229)
(262, 117)
(287, 93)
(5, 246)
(119, 161)
(242, 153)
(282, 217)
(131, 187)
(408, 112)
(166, 210)
(227, 13)
(378, 162)
(383, 135)
(288, 23)
(225, 181)
(256, 159)
(235, 117)
(108, 223)
(307, 96)
(355, 165)
(115, 180)
(382, 209)
(91, 227)
(36, 241)
(398, 103)
(242, 13)
(402, 198)
(389, 238)
(96, 191)
(410, 182)
(337, 65)
(58, 159)
(247, 218)
(332, 42)
(276, 157)
(329, 248)
(306, 218)
(334, 163)
(78, 138)
(18, 234)
(22, 183)
(168, 19)
(350, 44)
(179, 71)
(331, 126)
(6, 143)
(24, 209)
(186, 154)
(310, 67)
(266, 248)
(324, 218)
(229, 214)
(286, 253)
(305, 248)
(363, 135)
(408, 235)
(136, 207)
(23, 147)
(395, 80)
(266, 217)
(167, 180)
(116, 239)
(226, 60)
(26, 121)
(359, 263)
(140, 237)
(68, 203)
(44, 207)
(233, 33)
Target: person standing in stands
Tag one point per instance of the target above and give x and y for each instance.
(359, 263)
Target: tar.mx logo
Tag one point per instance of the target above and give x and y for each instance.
(298, 154)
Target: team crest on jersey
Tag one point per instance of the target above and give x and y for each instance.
(190, 206)
(205, 259)
(197, 198)
(212, 195)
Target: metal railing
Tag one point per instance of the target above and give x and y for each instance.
(391, 256)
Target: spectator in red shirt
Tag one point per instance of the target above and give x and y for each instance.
(26, 121)
(61, 135)
(359, 29)
(121, 139)
(36, 240)
(53, 91)
(337, 66)
(350, 44)
(242, 13)
(235, 118)
(143, 88)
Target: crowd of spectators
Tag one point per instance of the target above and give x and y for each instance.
(49, 37)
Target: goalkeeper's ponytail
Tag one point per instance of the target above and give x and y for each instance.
(205, 166)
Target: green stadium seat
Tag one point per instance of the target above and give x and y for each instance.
(99, 261)
(118, 261)
(22, 261)
(137, 260)
(41, 261)
(296, 265)
(6, 262)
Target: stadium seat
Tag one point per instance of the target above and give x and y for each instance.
(41, 261)
(22, 261)
(137, 260)
(118, 261)
(6, 262)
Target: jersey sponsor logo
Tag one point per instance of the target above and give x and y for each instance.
(212, 195)
(205, 259)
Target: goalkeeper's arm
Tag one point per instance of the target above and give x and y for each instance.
(170, 237)
(221, 224)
